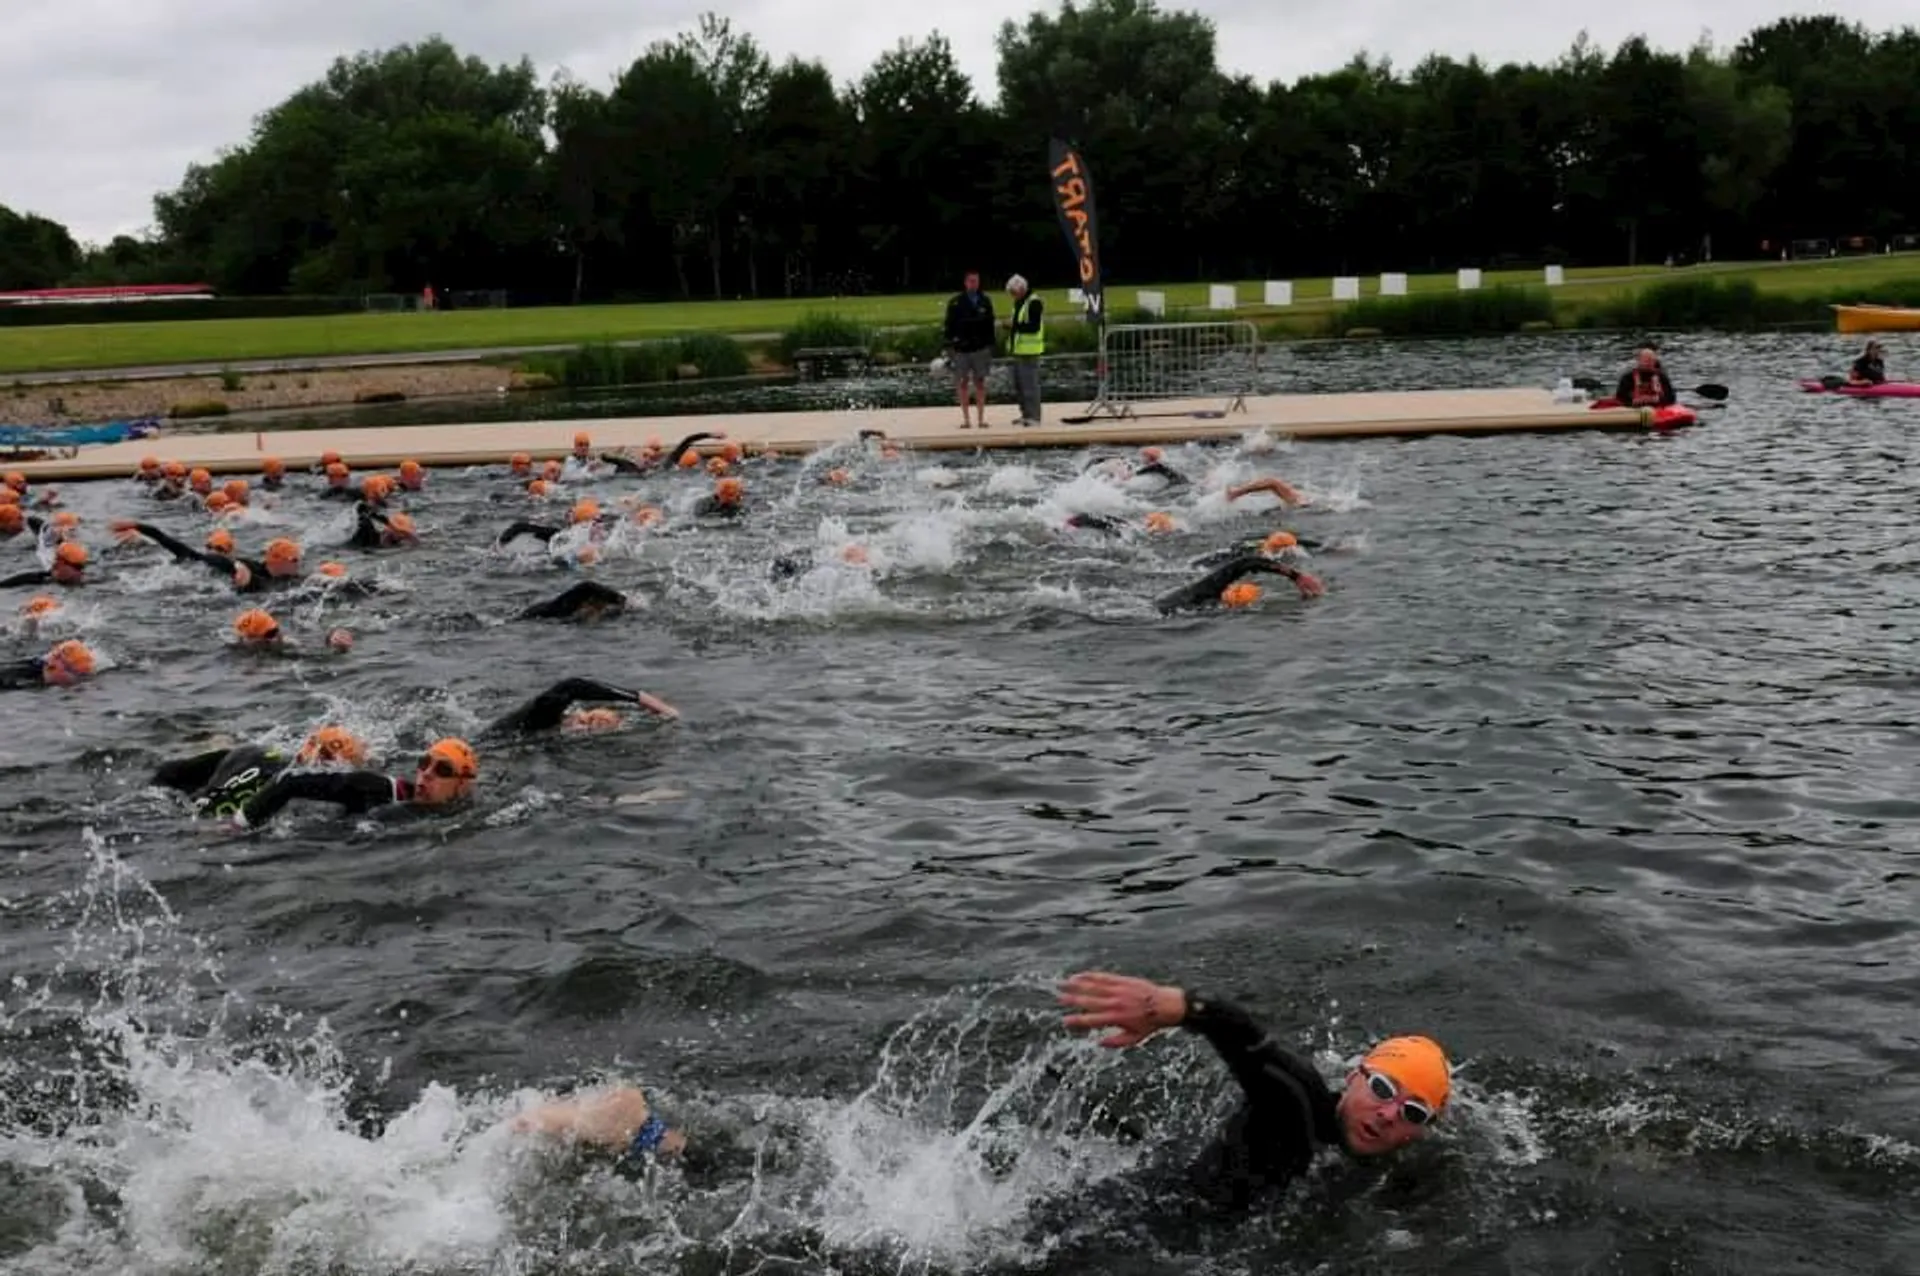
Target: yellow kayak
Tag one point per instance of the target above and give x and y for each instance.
(1876, 319)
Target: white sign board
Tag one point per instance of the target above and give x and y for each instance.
(1556, 275)
(1346, 288)
(1154, 303)
(1279, 292)
(1393, 285)
(1221, 297)
(1469, 278)
(1076, 296)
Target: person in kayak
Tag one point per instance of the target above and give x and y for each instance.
(65, 665)
(444, 774)
(220, 781)
(1393, 1097)
(553, 709)
(279, 567)
(1870, 368)
(1220, 585)
(68, 568)
(1645, 384)
(589, 600)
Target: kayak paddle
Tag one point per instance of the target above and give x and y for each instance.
(1711, 390)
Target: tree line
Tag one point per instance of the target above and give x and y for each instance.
(708, 169)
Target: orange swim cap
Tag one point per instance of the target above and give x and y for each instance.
(596, 719)
(728, 491)
(1242, 594)
(656, 444)
(1417, 1065)
(235, 490)
(11, 519)
(401, 523)
(837, 476)
(717, 465)
(16, 480)
(586, 511)
(332, 744)
(410, 469)
(648, 515)
(40, 605)
(1159, 522)
(72, 553)
(581, 440)
(8, 496)
(173, 469)
(74, 656)
(200, 480)
(551, 471)
(330, 457)
(1150, 454)
(733, 452)
(148, 464)
(1279, 541)
(521, 462)
(537, 488)
(65, 520)
(220, 541)
(337, 472)
(336, 570)
(217, 502)
(274, 466)
(374, 487)
(689, 459)
(456, 752)
(256, 625)
(282, 551)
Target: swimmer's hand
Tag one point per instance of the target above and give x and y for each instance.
(242, 575)
(654, 704)
(124, 530)
(1309, 585)
(1134, 1008)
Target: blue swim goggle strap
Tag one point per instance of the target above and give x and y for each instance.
(648, 1138)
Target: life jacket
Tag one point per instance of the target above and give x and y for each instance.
(1646, 389)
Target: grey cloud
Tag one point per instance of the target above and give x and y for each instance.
(105, 102)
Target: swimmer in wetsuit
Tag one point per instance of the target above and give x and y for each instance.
(69, 568)
(584, 511)
(551, 708)
(652, 460)
(1096, 523)
(1212, 588)
(1270, 546)
(444, 774)
(1287, 1113)
(588, 600)
(728, 500)
(64, 666)
(373, 529)
(280, 568)
(220, 782)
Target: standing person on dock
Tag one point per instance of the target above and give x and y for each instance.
(1026, 342)
(1645, 384)
(969, 337)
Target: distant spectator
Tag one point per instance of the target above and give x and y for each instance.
(969, 337)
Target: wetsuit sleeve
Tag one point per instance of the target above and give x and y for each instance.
(624, 464)
(546, 710)
(22, 579)
(527, 529)
(1269, 1074)
(1209, 587)
(588, 593)
(356, 791)
(181, 550)
(680, 448)
(21, 674)
(1174, 478)
(1094, 523)
(189, 774)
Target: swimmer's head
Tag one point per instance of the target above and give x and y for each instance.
(337, 474)
(331, 458)
(728, 491)
(69, 561)
(173, 469)
(599, 718)
(235, 490)
(335, 571)
(717, 465)
(218, 503)
(282, 557)
(1279, 543)
(838, 477)
(40, 605)
(538, 487)
(8, 496)
(375, 488)
(412, 475)
(1150, 455)
(12, 519)
(551, 471)
(149, 467)
(445, 772)
(200, 481)
(648, 515)
(332, 744)
(65, 524)
(399, 528)
(582, 445)
(689, 459)
(16, 480)
(67, 663)
(220, 541)
(256, 627)
(1240, 594)
(1159, 522)
(273, 467)
(733, 453)
(855, 554)
(585, 511)
(1394, 1096)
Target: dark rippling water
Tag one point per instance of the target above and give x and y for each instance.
(1595, 761)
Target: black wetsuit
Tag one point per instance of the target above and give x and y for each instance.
(713, 507)
(627, 465)
(1206, 591)
(20, 580)
(259, 579)
(1871, 369)
(344, 492)
(794, 563)
(513, 533)
(549, 709)
(222, 781)
(1634, 378)
(1241, 549)
(1096, 523)
(587, 595)
(368, 523)
(357, 792)
(19, 675)
(1174, 478)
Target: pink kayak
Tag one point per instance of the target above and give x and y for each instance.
(1885, 390)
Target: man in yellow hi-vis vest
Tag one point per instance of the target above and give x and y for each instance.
(1027, 341)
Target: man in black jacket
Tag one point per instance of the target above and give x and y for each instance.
(969, 335)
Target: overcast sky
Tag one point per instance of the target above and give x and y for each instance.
(105, 102)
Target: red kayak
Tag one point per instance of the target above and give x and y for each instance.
(1672, 417)
(1885, 390)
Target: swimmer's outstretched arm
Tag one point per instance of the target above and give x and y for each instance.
(1095, 523)
(1207, 590)
(356, 791)
(619, 1119)
(588, 593)
(680, 448)
(188, 774)
(179, 549)
(525, 529)
(22, 674)
(20, 580)
(623, 464)
(548, 709)
(1272, 485)
(1174, 478)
